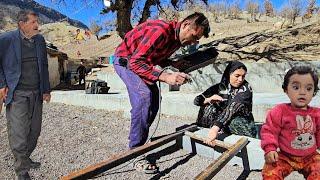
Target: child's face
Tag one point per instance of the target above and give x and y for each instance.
(300, 90)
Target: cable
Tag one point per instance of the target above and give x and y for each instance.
(148, 140)
(188, 80)
(155, 130)
(159, 114)
(159, 111)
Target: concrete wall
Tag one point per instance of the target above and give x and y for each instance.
(264, 77)
(113, 80)
(53, 67)
(254, 152)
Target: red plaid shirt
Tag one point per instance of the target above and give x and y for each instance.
(150, 43)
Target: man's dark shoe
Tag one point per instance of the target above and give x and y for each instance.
(35, 165)
(24, 176)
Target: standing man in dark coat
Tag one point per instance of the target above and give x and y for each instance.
(81, 70)
(24, 85)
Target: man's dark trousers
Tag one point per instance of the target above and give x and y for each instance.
(144, 100)
(24, 116)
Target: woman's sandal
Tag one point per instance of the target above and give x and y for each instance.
(143, 165)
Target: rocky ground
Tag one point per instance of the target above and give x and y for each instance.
(75, 137)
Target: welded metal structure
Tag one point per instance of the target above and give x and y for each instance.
(229, 151)
(198, 59)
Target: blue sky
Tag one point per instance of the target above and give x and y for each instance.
(82, 12)
(90, 12)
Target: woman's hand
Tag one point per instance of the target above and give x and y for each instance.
(213, 99)
(212, 135)
(271, 157)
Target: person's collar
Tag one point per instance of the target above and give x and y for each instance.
(23, 36)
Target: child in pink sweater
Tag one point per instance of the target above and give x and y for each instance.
(291, 134)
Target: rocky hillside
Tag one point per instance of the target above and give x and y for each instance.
(236, 40)
(59, 33)
(9, 10)
(301, 42)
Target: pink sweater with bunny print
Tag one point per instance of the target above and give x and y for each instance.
(294, 131)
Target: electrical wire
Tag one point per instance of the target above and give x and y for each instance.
(148, 140)
(154, 131)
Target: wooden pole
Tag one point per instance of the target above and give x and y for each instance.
(218, 164)
(118, 159)
(1, 104)
(217, 142)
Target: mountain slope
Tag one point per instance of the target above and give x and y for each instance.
(9, 10)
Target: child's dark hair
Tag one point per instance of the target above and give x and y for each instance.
(301, 70)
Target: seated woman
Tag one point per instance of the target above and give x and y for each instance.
(227, 105)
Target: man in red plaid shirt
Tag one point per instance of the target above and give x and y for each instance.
(147, 45)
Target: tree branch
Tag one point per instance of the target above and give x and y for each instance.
(146, 10)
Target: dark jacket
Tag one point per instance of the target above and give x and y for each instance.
(10, 66)
(82, 70)
(238, 101)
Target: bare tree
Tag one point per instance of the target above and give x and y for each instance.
(196, 6)
(218, 10)
(285, 12)
(95, 28)
(295, 11)
(234, 10)
(318, 14)
(110, 25)
(223, 6)
(268, 8)
(310, 10)
(123, 10)
(292, 10)
(169, 14)
(253, 9)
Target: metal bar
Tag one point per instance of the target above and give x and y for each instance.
(245, 159)
(120, 158)
(201, 139)
(245, 162)
(218, 164)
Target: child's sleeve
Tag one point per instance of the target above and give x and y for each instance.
(318, 128)
(270, 130)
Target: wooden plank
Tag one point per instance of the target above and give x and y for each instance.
(120, 158)
(201, 139)
(218, 164)
(1, 103)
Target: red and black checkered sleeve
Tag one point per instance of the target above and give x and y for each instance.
(141, 62)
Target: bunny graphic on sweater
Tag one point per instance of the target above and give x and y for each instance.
(304, 133)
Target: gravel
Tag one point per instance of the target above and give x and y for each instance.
(75, 137)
